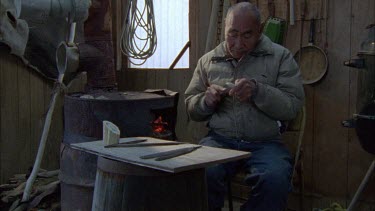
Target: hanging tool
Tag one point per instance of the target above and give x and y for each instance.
(312, 60)
(291, 13)
(47, 123)
(170, 154)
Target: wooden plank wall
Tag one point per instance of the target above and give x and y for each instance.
(24, 101)
(334, 162)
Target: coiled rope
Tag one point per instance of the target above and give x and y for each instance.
(138, 37)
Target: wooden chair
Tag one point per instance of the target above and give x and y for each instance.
(292, 137)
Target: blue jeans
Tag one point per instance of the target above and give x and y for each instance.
(268, 173)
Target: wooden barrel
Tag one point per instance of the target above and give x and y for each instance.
(122, 186)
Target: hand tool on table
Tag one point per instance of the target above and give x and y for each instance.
(170, 154)
(138, 143)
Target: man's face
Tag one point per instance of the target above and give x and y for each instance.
(242, 33)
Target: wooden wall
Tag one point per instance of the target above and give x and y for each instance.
(24, 101)
(334, 162)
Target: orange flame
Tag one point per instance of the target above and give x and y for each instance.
(158, 125)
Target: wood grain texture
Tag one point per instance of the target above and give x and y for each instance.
(24, 112)
(24, 98)
(9, 115)
(121, 186)
(331, 107)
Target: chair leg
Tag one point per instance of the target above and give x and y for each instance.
(229, 191)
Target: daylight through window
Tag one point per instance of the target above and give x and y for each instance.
(172, 30)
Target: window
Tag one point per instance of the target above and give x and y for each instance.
(172, 30)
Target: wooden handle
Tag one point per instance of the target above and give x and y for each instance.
(312, 32)
(291, 12)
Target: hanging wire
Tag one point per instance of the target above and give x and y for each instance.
(138, 37)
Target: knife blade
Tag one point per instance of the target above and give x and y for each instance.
(144, 144)
(127, 142)
(170, 154)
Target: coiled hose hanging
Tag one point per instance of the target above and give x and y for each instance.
(138, 37)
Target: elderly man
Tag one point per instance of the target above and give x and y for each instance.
(244, 88)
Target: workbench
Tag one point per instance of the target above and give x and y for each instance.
(124, 181)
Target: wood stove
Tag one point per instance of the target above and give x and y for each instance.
(149, 113)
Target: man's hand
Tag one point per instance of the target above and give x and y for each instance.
(244, 89)
(213, 95)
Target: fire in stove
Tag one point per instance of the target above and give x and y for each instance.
(160, 129)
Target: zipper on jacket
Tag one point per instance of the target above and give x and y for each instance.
(235, 70)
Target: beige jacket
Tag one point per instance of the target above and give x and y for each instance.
(280, 92)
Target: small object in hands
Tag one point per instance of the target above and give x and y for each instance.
(170, 154)
(143, 144)
(111, 133)
(229, 85)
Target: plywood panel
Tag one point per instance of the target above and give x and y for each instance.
(178, 81)
(199, 15)
(199, 158)
(24, 100)
(24, 115)
(161, 79)
(294, 41)
(134, 80)
(151, 79)
(9, 116)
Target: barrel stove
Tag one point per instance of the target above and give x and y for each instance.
(364, 119)
(149, 113)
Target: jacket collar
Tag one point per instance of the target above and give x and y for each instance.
(264, 47)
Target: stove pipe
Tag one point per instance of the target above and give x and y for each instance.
(97, 55)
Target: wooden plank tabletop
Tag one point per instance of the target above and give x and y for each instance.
(199, 158)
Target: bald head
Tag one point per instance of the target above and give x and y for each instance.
(244, 8)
